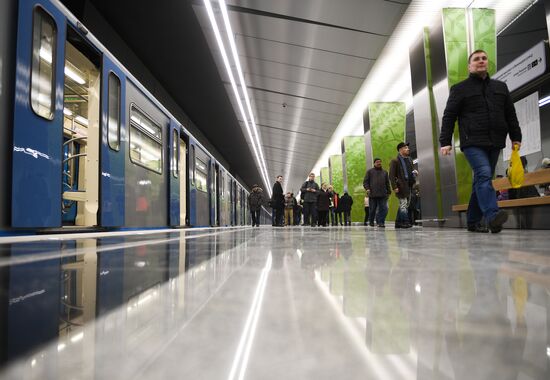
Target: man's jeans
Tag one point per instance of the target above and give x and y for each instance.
(378, 209)
(403, 211)
(483, 201)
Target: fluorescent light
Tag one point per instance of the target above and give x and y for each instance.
(61, 347)
(74, 76)
(67, 112)
(225, 59)
(237, 61)
(418, 288)
(544, 101)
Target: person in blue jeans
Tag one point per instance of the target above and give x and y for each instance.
(377, 185)
(486, 116)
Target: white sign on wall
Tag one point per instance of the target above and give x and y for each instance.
(524, 68)
(527, 110)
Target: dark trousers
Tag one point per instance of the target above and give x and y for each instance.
(347, 218)
(255, 217)
(323, 218)
(279, 216)
(366, 221)
(378, 210)
(310, 213)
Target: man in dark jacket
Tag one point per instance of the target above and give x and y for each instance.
(345, 203)
(278, 201)
(486, 115)
(309, 195)
(255, 202)
(402, 180)
(377, 185)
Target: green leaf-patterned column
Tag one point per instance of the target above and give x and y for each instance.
(387, 125)
(456, 49)
(336, 173)
(355, 165)
(481, 31)
(325, 176)
(484, 32)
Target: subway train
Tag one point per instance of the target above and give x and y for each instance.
(88, 146)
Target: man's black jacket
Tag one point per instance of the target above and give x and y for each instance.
(485, 114)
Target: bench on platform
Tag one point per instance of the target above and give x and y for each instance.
(538, 177)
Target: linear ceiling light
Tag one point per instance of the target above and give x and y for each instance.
(256, 146)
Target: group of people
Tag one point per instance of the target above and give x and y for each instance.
(401, 180)
(320, 206)
(486, 115)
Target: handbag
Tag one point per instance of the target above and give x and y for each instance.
(515, 171)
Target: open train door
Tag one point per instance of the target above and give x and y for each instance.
(38, 116)
(113, 152)
(183, 178)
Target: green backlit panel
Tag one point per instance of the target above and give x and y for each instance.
(387, 125)
(356, 166)
(456, 50)
(325, 176)
(485, 35)
(336, 173)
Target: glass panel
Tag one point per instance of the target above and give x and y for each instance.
(145, 142)
(43, 64)
(200, 175)
(175, 153)
(113, 123)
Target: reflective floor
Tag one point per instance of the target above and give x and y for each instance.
(286, 303)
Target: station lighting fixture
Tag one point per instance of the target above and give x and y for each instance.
(252, 131)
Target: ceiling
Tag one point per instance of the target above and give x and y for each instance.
(303, 63)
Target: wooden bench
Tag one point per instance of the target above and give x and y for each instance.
(538, 177)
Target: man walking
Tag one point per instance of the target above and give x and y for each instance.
(377, 185)
(486, 115)
(255, 202)
(309, 195)
(402, 181)
(278, 201)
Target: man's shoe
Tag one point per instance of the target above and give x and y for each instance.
(398, 226)
(495, 225)
(381, 226)
(371, 224)
(478, 228)
(406, 225)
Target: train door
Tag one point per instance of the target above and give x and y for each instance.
(174, 174)
(81, 105)
(213, 195)
(218, 194)
(199, 199)
(113, 152)
(183, 181)
(56, 122)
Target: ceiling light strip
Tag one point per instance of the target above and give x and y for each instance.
(237, 61)
(223, 52)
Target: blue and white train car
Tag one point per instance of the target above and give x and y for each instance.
(86, 145)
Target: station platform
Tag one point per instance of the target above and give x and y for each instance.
(277, 303)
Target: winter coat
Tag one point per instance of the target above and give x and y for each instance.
(485, 113)
(397, 177)
(309, 196)
(323, 200)
(377, 182)
(277, 197)
(256, 199)
(345, 202)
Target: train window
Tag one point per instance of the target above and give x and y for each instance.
(44, 37)
(175, 153)
(145, 141)
(113, 123)
(201, 175)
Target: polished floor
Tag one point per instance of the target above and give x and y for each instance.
(283, 303)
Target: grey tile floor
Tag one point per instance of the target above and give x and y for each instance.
(286, 303)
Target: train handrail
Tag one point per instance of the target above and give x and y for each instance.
(74, 156)
(75, 139)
